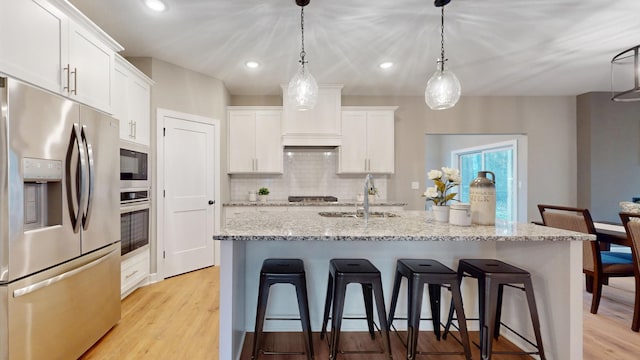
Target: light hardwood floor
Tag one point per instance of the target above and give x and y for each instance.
(177, 319)
(607, 334)
(173, 319)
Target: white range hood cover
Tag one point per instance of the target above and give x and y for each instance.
(320, 126)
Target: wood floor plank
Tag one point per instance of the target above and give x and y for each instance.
(178, 319)
(173, 319)
(607, 334)
(361, 341)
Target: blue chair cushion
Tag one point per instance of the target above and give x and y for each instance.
(609, 257)
(621, 255)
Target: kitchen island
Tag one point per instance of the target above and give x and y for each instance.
(552, 256)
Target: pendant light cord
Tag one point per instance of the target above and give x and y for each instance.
(442, 59)
(302, 53)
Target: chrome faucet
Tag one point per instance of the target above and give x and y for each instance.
(368, 183)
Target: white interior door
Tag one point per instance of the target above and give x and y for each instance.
(189, 209)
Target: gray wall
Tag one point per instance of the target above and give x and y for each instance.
(548, 122)
(438, 150)
(186, 91)
(608, 154)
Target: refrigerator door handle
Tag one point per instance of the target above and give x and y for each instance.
(86, 218)
(81, 180)
(50, 281)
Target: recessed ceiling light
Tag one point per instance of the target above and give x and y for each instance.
(386, 65)
(252, 64)
(155, 5)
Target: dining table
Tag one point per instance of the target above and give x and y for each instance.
(611, 233)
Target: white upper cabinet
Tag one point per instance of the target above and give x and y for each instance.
(367, 140)
(89, 69)
(32, 44)
(317, 127)
(131, 95)
(255, 141)
(48, 43)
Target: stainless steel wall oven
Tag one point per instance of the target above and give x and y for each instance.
(134, 220)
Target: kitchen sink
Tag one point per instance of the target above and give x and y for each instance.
(353, 214)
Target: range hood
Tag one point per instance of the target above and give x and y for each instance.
(320, 126)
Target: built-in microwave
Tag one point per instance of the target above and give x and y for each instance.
(134, 166)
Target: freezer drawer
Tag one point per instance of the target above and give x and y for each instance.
(62, 312)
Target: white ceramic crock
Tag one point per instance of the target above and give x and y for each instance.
(460, 214)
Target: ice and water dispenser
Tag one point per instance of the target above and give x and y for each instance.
(42, 193)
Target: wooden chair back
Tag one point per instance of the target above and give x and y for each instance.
(574, 219)
(631, 222)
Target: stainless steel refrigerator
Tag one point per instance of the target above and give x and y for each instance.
(59, 224)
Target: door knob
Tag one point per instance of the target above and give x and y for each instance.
(211, 202)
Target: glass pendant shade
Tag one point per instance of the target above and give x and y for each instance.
(443, 89)
(303, 90)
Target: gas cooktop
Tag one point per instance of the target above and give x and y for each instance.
(313, 199)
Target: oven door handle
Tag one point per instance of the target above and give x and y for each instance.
(126, 208)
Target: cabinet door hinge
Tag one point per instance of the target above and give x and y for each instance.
(164, 193)
(164, 131)
(163, 254)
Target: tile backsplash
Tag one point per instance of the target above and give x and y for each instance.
(307, 172)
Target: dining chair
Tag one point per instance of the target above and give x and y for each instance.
(631, 222)
(597, 265)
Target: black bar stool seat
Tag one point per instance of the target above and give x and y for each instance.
(492, 276)
(341, 273)
(418, 273)
(283, 271)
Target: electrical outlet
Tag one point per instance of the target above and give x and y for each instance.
(415, 185)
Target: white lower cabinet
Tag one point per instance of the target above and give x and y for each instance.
(134, 272)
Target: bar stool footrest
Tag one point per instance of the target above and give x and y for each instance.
(269, 352)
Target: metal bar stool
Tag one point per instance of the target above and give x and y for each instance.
(341, 273)
(493, 276)
(283, 271)
(433, 273)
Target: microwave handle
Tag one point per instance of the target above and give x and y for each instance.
(86, 218)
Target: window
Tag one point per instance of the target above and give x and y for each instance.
(501, 159)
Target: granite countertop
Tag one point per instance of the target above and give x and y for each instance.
(407, 226)
(310, 203)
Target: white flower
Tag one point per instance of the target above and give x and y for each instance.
(432, 192)
(444, 180)
(434, 174)
(451, 174)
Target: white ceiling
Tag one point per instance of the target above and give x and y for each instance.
(496, 47)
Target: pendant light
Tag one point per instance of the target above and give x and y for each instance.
(627, 58)
(443, 88)
(303, 88)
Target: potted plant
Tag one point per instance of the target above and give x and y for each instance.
(444, 181)
(263, 193)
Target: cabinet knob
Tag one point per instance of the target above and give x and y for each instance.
(211, 202)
